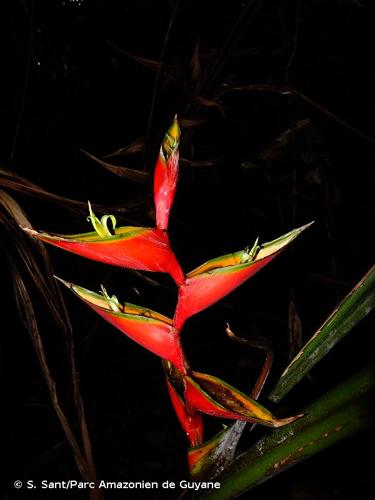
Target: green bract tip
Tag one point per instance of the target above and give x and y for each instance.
(101, 226)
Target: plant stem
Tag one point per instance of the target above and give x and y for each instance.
(341, 413)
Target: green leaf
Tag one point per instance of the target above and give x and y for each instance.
(355, 306)
(340, 413)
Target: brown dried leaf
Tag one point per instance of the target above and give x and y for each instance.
(191, 122)
(295, 329)
(173, 71)
(17, 183)
(204, 102)
(195, 66)
(277, 147)
(127, 173)
(198, 163)
(40, 272)
(27, 314)
(132, 148)
(12, 217)
(14, 210)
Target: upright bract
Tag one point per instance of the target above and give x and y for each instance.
(166, 173)
(148, 249)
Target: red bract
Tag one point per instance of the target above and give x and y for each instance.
(139, 248)
(148, 328)
(216, 278)
(166, 173)
(211, 395)
(190, 420)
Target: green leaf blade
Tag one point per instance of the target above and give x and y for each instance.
(356, 305)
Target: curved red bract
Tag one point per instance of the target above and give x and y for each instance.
(191, 423)
(156, 336)
(201, 402)
(146, 249)
(201, 291)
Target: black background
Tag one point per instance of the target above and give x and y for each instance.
(72, 79)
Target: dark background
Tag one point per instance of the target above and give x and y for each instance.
(87, 75)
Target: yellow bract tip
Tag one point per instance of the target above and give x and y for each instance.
(174, 130)
(172, 138)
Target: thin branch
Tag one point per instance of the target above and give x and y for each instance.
(160, 67)
(26, 81)
(234, 432)
(42, 278)
(259, 344)
(247, 15)
(83, 462)
(285, 90)
(25, 307)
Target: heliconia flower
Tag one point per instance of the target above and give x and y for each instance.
(148, 328)
(212, 396)
(214, 279)
(191, 421)
(166, 173)
(145, 249)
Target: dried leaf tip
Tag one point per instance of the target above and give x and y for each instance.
(66, 283)
(285, 421)
(306, 226)
(29, 230)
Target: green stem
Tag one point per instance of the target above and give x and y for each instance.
(342, 412)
